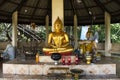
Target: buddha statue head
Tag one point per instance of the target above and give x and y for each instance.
(58, 26)
(89, 34)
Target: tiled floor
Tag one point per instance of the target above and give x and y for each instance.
(62, 77)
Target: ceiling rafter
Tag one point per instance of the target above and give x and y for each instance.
(101, 6)
(18, 8)
(117, 11)
(89, 6)
(73, 8)
(4, 15)
(27, 5)
(86, 9)
(3, 2)
(49, 1)
(85, 17)
(117, 1)
(9, 16)
(40, 18)
(35, 8)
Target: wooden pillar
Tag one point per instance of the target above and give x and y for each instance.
(47, 29)
(75, 32)
(107, 34)
(71, 31)
(57, 11)
(14, 28)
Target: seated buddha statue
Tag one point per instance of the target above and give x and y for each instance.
(88, 46)
(58, 41)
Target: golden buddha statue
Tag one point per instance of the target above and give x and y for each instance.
(58, 41)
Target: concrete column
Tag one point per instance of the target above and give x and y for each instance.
(14, 28)
(47, 29)
(75, 32)
(107, 34)
(57, 11)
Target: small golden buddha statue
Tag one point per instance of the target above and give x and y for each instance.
(88, 45)
(92, 44)
(58, 41)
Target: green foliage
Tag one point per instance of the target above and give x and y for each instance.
(115, 32)
(101, 31)
(5, 32)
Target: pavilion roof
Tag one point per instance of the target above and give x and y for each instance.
(87, 11)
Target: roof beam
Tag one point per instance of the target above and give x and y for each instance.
(90, 16)
(35, 8)
(48, 7)
(27, 5)
(73, 8)
(18, 8)
(3, 2)
(101, 6)
(117, 1)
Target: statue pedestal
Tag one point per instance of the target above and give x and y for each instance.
(30, 67)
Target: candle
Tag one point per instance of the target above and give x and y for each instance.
(76, 60)
(63, 60)
(69, 60)
(37, 58)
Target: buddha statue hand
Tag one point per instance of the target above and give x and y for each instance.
(65, 45)
(54, 46)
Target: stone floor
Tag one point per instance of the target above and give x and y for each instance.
(63, 77)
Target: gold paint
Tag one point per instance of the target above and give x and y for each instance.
(58, 40)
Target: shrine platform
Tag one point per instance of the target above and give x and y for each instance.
(29, 69)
